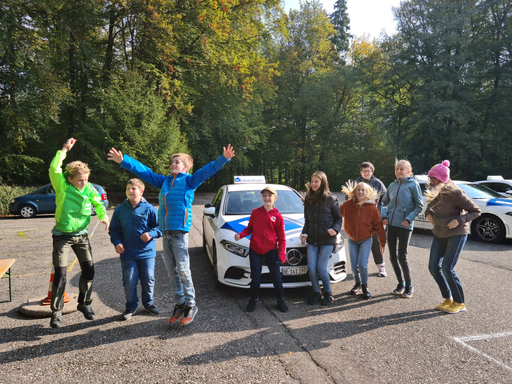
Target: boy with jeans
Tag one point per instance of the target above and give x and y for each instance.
(175, 218)
(73, 197)
(133, 230)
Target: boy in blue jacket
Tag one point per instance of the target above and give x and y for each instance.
(175, 218)
(133, 231)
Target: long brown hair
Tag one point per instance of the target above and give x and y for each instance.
(322, 191)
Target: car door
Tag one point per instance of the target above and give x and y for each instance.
(46, 200)
(210, 223)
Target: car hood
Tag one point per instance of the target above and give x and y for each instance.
(292, 223)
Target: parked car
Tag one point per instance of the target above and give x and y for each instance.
(495, 223)
(229, 214)
(498, 184)
(43, 201)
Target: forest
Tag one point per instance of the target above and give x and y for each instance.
(292, 92)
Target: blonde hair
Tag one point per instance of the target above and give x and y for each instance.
(186, 159)
(322, 191)
(350, 190)
(137, 183)
(77, 168)
(403, 161)
(431, 192)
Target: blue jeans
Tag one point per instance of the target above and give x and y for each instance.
(318, 256)
(272, 261)
(177, 263)
(444, 254)
(133, 271)
(359, 252)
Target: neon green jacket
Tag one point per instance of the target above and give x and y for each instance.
(73, 213)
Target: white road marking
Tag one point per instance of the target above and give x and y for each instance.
(463, 340)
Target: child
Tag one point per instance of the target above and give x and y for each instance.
(268, 243)
(401, 203)
(73, 197)
(450, 211)
(362, 220)
(322, 222)
(175, 218)
(366, 170)
(133, 231)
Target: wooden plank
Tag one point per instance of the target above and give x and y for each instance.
(5, 265)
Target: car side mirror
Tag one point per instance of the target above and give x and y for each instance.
(208, 205)
(209, 211)
(509, 192)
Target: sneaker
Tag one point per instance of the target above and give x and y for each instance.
(87, 311)
(445, 304)
(356, 289)
(251, 306)
(188, 315)
(152, 310)
(408, 292)
(56, 320)
(382, 271)
(127, 315)
(400, 288)
(366, 292)
(315, 298)
(282, 306)
(328, 298)
(455, 307)
(176, 314)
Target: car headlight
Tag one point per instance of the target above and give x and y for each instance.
(235, 248)
(339, 243)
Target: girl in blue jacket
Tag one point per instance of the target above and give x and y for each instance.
(401, 203)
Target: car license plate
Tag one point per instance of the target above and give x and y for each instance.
(287, 271)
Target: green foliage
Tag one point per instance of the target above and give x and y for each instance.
(7, 193)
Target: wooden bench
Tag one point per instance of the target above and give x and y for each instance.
(5, 269)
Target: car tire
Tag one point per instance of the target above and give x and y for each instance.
(27, 211)
(488, 229)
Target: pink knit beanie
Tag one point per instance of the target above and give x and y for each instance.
(441, 171)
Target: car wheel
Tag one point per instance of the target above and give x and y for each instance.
(489, 229)
(27, 211)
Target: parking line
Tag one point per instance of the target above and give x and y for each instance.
(462, 340)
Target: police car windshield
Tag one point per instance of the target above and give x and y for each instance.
(243, 202)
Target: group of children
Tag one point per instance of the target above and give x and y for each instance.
(136, 224)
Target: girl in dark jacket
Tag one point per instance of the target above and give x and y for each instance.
(322, 224)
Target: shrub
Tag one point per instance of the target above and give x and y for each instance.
(7, 193)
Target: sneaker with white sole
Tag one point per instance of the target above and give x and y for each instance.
(127, 315)
(400, 288)
(188, 315)
(176, 314)
(455, 308)
(445, 304)
(382, 271)
(409, 290)
(152, 310)
(56, 320)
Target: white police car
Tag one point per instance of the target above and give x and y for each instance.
(229, 214)
(498, 184)
(495, 223)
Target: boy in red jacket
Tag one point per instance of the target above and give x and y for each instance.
(268, 242)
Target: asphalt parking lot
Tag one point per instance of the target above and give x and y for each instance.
(384, 340)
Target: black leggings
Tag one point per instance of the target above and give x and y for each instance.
(399, 261)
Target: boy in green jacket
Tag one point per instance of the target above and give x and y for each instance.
(73, 197)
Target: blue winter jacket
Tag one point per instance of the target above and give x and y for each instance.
(176, 192)
(402, 201)
(129, 224)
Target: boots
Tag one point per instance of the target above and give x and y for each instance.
(366, 293)
(315, 298)
(328, 299)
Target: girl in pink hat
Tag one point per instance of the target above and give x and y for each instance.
(450, 211)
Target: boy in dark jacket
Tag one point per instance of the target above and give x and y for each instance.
(133, 231)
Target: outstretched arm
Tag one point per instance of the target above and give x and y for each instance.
(68, 145)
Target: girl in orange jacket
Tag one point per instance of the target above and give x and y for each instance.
(361, 221)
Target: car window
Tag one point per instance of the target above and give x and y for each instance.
(477, 191)
(501, 187)
(243, 202)
(217, 200)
